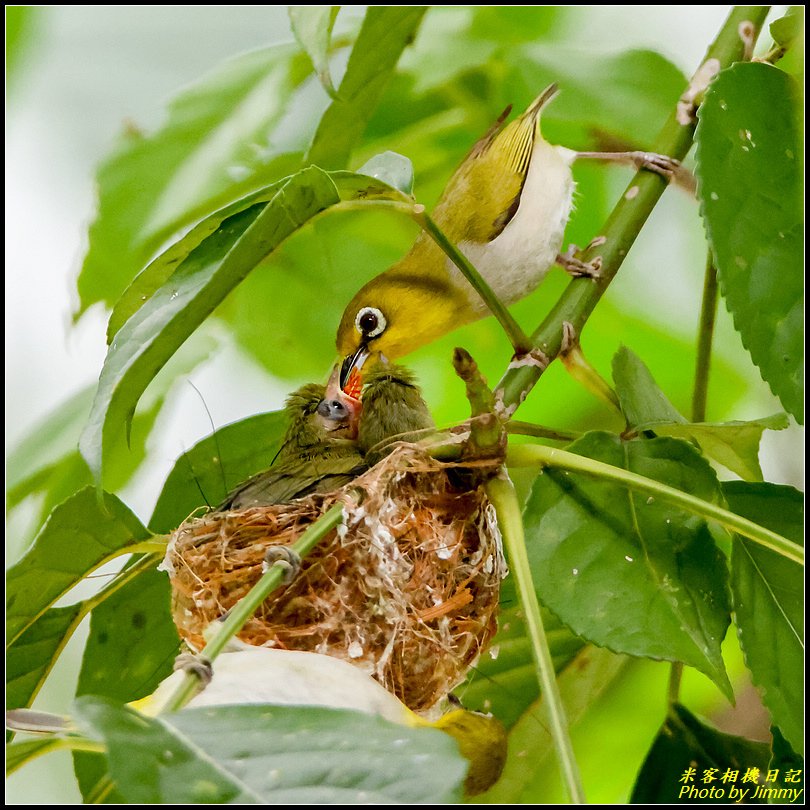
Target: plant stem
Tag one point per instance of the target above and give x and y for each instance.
(526, 455)
(530, 429)
(248, 605)
(674, 687)
(708, 312)
(510, 520)
(517, 337)
(623, 226)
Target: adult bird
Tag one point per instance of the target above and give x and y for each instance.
(318, 453)
(506, 208)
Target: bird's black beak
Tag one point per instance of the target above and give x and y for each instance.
(353, 362)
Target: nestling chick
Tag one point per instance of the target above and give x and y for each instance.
(318, 453)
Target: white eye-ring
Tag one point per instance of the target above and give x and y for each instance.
(370, 322)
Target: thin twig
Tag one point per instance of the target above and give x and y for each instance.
(708, 312)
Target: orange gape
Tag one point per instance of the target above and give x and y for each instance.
(354, 384)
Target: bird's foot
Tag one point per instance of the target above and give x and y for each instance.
(576, 267)
(651, 161)
(198, 664)
(285, 558)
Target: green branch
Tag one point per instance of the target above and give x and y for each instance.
(510, 521)
(248, 605)
(634, 207)
(540, 455)
(517, 337)
(708, 312)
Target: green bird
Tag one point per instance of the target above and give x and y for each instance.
(318, 453)
(393, 410)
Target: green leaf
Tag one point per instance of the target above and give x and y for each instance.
(81, 534)
(786, 30)
(216, 144)
(385, 33)
(312, 27)
(207, 472)
(132, 642)
(641, 399)
(787, 763)
(735, 445)
(219, 263)
(768, 597)
(131, 648)
(18, 753)
(625, 571)
(30, 658)
(272, 754)
(158, 272)
(750, 187)
(581, 682)
(394, 169)
(685, 745)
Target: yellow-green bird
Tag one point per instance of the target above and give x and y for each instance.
(506, 208)
(318, 453)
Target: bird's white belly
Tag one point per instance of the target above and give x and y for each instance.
(517, 260)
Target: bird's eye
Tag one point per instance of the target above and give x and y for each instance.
(370, 322)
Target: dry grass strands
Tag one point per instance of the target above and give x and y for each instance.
(407, 588)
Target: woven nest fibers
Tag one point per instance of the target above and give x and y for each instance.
(407, 588)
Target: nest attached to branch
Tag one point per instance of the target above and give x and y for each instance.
(407, 588)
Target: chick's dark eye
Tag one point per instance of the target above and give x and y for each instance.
(370, 322)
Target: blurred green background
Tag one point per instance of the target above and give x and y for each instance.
(79, 75)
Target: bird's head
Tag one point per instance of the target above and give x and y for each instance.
(315, 416)
(395, 314)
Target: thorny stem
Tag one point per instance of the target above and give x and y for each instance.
(248, 605)
(527, 455)
(625, 222)
(502, 493)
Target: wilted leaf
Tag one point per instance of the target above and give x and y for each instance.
(750, 187)
(768, 597)
(626, 571)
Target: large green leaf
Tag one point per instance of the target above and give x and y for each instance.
(312, 26)
(646, 407)
(768, 597)
(626, 571)
(272, 755)
(751, 192)
(684, 750)
(199, 284)
(131, 647)
(31, 657)
(386, 31)
(216, 144)
(81, 534)
(206, 473)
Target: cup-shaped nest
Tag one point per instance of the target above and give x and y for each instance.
(406, 588)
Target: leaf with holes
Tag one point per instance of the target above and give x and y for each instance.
(752, 201)
(626, 571)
